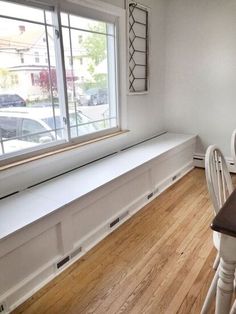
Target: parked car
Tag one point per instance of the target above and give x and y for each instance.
(43, 104)
(79, 97)
(37, 125)
(97, 96)
(83, 99)
(11, 100)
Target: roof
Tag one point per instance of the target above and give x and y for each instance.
(22, 41)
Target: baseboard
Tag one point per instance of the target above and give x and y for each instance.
(173, 178)
(199, 161)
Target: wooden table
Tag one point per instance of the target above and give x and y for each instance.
(225, 223)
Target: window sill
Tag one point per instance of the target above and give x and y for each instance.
(6, 165)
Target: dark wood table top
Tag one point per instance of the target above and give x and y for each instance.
(225, 220)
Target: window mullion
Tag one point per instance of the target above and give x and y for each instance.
(72, 70)
(112, 70)
(117, 77)
(61, 72)
(50, 76)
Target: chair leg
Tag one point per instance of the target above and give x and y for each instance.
(210, 294)
(225, 287)
(233, 309)
(235, 282)
(216, 262)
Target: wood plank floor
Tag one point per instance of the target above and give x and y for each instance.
(160, 261)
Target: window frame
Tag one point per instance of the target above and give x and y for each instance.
(77, 140)
(100, 12)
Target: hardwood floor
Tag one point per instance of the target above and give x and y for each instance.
(160, 261)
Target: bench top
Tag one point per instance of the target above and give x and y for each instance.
(19, 210)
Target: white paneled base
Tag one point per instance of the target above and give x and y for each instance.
(82, 224)
(199, 161)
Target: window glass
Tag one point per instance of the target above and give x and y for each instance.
(8, 127)
(28, 80)
(42, 104)
(90, 78)
(81, 125)
(87, 24)
(20, 12)
(33, 131)
(30, 126)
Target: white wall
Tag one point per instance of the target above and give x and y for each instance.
(119, 3)
(144, 118)
(200, 84)
(145, 113)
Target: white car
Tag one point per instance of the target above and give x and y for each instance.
(22, 127)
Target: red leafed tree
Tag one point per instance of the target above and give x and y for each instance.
(48, 80)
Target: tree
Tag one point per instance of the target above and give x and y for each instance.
(47, 80)
(95, 44)
(5, 78)
(99, 81)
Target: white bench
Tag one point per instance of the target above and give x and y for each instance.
(64, 217)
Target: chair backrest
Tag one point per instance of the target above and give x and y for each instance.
(233, 146)
(218, 178)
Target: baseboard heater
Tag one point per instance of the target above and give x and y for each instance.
(67, 258)
(199, 161)
(118, 219)
(3, 308)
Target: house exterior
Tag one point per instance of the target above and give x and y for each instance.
(29, 73)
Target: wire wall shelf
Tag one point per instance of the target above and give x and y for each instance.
(138, 53)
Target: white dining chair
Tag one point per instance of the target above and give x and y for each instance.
(220, 186)
(233, 146)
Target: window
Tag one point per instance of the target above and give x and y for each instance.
(14, 79)
(22, 60)
(61, 103)
(98, 88)
(80, 39)
(36, 55)
(32, 79)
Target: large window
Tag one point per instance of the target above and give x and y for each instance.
(64, 89)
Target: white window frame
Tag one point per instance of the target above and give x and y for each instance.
(93, 9)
